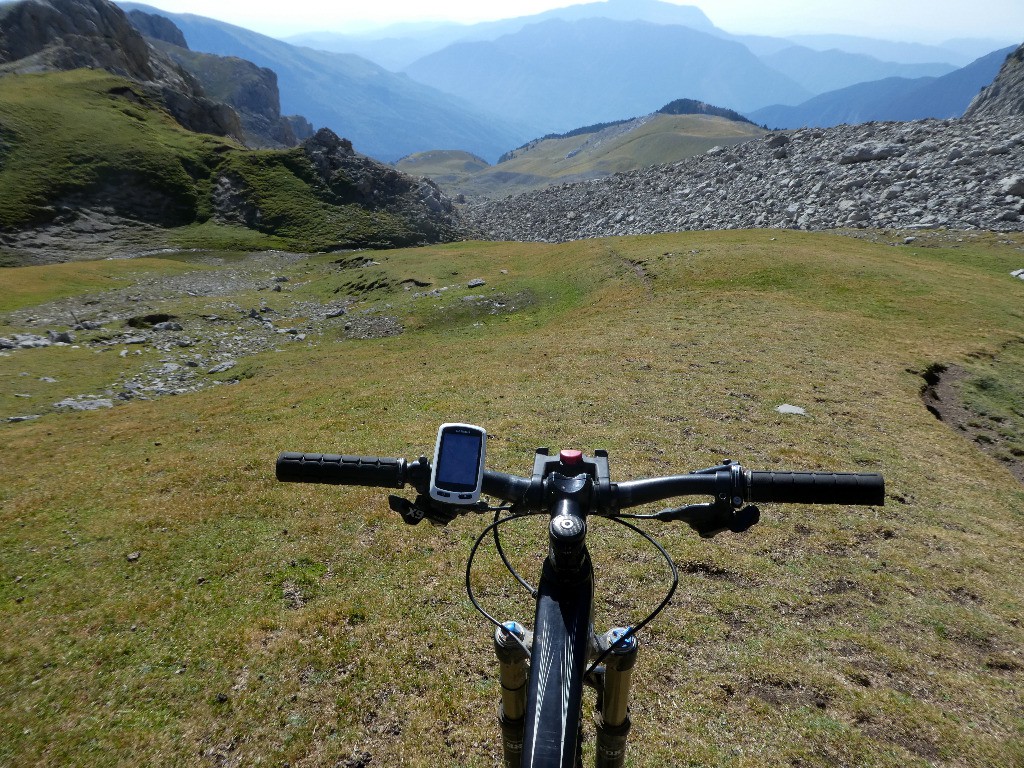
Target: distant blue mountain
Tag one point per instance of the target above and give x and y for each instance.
(384, 114)
(893, 98)
(823, 71)
(559, 75)
(399, 45)
(959, 52)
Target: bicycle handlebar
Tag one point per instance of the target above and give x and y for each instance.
(749, 486)
(333, 469)
(816, 488)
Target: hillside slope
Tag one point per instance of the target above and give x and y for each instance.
(956, 174)
(166, 602)
(86, 148)
(591, 154)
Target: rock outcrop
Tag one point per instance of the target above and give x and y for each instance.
(1005, 96)
(40, 35)
(960, 174)
(355, 178)
(157, 28)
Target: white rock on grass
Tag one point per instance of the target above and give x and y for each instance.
(795, 410)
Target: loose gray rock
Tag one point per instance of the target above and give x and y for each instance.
(25, 341)
(222, 367)
(85, 403)
(865, 153)
(795, 410)
(1012, 185)
(476, 283)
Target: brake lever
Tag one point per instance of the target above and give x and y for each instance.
(709, 520)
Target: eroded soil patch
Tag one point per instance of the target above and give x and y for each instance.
(942, 395)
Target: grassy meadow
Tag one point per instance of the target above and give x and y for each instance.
(164, 601)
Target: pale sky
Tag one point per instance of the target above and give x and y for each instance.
(928, 21)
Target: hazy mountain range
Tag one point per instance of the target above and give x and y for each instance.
(894, 98)
(385, 114)
(486, 88)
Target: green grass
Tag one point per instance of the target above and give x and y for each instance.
(994, 391)
(272, 624)
(72, 133)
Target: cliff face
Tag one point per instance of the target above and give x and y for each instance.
(1005, 96)
(250, 90)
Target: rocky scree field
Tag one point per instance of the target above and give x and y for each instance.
(954, 174)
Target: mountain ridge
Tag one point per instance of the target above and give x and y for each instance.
(889, 99)
(1004, 96)
(550, 75)
(385, 114)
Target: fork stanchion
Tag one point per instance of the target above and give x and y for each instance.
(513, 664)
(612, 716)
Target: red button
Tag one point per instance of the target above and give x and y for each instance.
(571, 458)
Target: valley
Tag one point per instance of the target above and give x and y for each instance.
(205, 261)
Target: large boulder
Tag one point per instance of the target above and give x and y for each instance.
(38, 35)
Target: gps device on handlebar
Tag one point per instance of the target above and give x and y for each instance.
(457, 472)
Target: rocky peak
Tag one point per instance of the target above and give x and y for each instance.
(355, 178)
(1005, 96)
(39, 35)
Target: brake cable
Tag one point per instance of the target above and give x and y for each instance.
(469, 568)
(501, 553)
(620, 641)
(632, 630)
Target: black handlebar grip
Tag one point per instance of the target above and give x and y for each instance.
(817, 488)
(341, 470)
